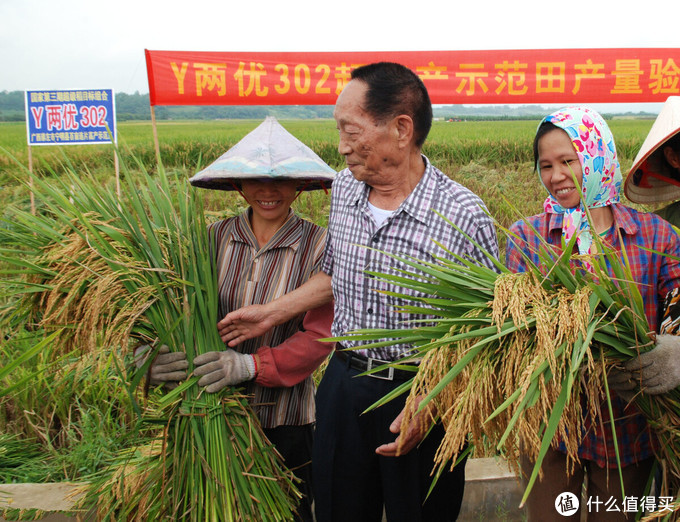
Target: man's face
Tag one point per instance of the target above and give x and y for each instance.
(370, 149)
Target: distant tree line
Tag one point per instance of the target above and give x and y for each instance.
(12, 106)
(507, 112)
(136, 107)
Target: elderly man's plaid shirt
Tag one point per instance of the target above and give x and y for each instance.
(411, 231)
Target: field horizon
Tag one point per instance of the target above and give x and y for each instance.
(491, 158)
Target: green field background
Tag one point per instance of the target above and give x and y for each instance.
(492, 158)
(75, 415)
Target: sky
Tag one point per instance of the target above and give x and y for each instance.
(67, 44)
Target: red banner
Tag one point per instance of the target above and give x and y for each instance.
(554, 76)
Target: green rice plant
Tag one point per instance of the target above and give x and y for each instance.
(18, 458)
(105, 273)
(492, 158)
(512, 358)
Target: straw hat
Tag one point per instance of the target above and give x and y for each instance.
(640, 187)
(268, 152)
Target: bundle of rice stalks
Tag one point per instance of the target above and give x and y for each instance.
(543, 320)
(516, 360)
(103, 273)
(70, 286)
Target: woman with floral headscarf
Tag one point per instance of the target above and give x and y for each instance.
(576, 158)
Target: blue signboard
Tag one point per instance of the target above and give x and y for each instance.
(70, 117)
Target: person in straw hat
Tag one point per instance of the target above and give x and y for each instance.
(261, 254)
(655, 175)
(655, 178)
(577, 163)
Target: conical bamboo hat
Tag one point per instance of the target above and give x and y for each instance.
(268, 152)
(641, 188)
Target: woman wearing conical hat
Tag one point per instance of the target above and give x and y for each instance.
(655, 178)
(655, 174)
(261, 254)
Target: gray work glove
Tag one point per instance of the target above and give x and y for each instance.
(220, 369)
(168, 368)
(658, 370)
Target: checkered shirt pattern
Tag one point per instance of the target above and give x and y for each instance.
(655, 274)
(413, 229)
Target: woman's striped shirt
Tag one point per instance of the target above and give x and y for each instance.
(249, 275)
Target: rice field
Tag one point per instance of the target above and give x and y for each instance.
(493, 159)
(80, 416)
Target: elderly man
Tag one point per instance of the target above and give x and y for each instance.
(385, 199)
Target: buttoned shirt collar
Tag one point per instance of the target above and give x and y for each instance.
(418, 203)
(288, 236)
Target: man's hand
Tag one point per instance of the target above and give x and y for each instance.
(410, 439)
(245, 323)
(220, 369)
(658, 370)
(168, 368)
(254, 320)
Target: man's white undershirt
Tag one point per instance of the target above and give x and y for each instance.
(379, 214)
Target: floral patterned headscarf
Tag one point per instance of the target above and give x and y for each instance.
(602, 178)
